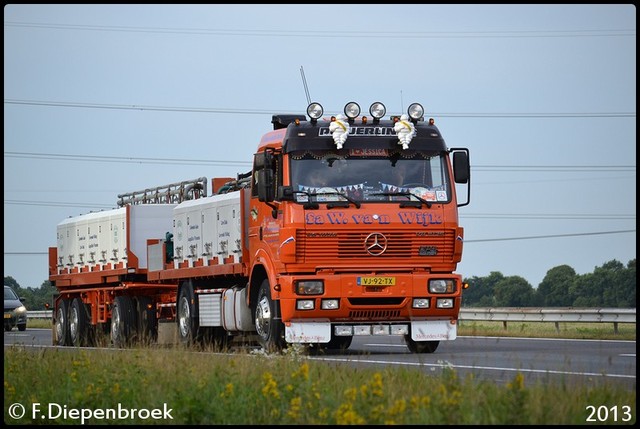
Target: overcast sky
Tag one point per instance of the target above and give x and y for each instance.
(104, 99)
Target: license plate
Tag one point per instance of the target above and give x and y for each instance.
(7, 315)
(376, 281)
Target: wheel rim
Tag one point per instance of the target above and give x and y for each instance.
(184, 317)
(73, 324)
(59, 324)
(263, 317)
(115, 324)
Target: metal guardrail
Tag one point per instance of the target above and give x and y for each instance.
(556, 315)
(44, 314)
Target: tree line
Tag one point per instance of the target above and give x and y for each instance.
(611, 285)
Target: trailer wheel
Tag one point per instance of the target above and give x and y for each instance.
(79, 326)
(421, 346)
(122, 321)
(187, 328)
(146, 317)
(62, 323)
(268, 324)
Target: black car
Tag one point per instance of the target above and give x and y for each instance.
(15, 314)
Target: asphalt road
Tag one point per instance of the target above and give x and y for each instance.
(495, 358)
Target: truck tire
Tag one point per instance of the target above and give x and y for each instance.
(79, 326)
(146, 317)
(268, 324)
(123, 325)
(339, 343)
(186, 317)
(61, 324)
(421, 346)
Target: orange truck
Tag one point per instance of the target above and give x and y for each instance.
(345, 226)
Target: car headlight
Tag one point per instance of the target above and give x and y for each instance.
(442, 286)
(21, 309)
(309, 287)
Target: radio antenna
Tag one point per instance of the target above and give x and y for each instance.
(304, 82)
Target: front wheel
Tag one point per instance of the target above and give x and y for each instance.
(421, 346)
(267, 319)
(186, 317)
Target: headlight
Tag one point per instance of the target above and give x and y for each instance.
(309, 287)
(21, 309)
(442, 286)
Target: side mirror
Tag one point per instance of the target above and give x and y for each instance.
(265, 185)
(263, 160)
(461, 170)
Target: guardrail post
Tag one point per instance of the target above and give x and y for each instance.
(615, 327)
(557, 327)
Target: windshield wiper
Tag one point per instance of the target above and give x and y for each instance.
(406, 194)
(332, 204)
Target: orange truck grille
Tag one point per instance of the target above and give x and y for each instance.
(326, 246)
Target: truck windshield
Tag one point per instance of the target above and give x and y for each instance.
(369, 175)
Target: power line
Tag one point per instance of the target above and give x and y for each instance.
(466, 241)
(226, 110)
(542, 216)
(147, 160)
(581, 234)
(308, 33)
(539, 216)
(124, 159)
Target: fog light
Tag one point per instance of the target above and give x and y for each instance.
(343, 331)
(380, 330)
(420, 302)
(362, 330)
(444, 303)
(330, 304)
(305, 304)
(399, 329)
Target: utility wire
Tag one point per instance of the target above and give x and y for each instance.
(581, 234)
(334, 34)
(226, 110)
(465, 241)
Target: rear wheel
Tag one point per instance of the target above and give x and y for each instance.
(61, 324)
(122, 321)
(268, 324)
(79, 326)
(147, 326)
